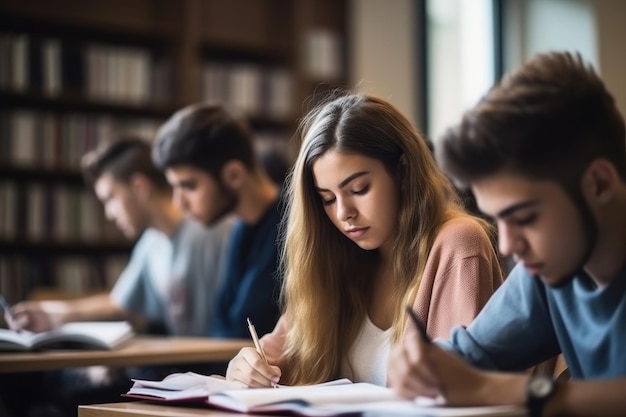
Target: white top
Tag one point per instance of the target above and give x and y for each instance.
(368, 355)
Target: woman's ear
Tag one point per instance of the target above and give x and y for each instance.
(233, 174)
(600, 181)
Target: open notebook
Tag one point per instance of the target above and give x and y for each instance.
(339, 397)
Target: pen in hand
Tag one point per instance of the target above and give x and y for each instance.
(418, 324)
(255, 339)
(439, 399)
(257, 345)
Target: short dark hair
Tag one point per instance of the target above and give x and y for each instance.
(547, 120)
(122, 158)
(205, 137)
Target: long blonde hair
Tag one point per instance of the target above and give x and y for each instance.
(327, 277)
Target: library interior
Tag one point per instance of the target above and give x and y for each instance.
(75, 74)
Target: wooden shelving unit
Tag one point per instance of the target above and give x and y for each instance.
(281, 50)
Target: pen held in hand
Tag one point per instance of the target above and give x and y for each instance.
(255, 339)
(418, 324)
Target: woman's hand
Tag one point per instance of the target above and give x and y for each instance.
(251, 370)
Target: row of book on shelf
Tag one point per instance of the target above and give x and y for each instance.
(34, 211)
(24, 277)
(50, 141)
(103, 72)
(248, 88)
(126, 74)
(43, 139)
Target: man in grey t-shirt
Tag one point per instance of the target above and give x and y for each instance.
(170, 282)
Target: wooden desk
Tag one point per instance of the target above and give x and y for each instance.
(141, 350)
(142, 409)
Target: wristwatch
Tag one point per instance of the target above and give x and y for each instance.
(538, 390)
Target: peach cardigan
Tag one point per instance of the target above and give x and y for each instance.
(461, 273)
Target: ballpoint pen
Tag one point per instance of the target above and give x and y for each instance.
(439, 399)
(255, 339)
(257, 345)
(420, 327)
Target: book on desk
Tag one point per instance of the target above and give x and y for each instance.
(79, 335)
(333, 398)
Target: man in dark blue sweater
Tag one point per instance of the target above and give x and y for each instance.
(209, 159)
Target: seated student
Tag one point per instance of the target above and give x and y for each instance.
(544, 152)
(175, 266)
(373, 225)
(170, 282)
(209, 159)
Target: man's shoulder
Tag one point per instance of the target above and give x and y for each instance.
(151, 241)
(149, 237)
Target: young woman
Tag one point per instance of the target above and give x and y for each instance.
(373, 226)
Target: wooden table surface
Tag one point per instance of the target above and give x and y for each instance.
(143, 409)
(141, 350)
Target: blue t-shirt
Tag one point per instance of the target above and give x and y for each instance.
(251, 286)
(173, 281)
(526, 322)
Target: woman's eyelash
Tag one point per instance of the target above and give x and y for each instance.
(362, 190)
(525, 221)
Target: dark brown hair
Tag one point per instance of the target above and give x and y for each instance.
(122, 158)
(547, 120)
(205, 137)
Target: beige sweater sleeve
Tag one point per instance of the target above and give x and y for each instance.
(461, 273)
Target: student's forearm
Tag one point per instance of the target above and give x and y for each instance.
(572, 398)
(588, 398)
(500, 388)
(96, 307)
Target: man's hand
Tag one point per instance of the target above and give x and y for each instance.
(418, 368)
(38, 316)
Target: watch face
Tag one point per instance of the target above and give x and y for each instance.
(540, 386)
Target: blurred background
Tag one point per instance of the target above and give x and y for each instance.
(77, 72)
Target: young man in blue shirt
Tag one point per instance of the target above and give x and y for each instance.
(176, 264)
(545, 154)
(209, 159)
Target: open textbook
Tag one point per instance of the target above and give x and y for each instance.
(334, 398)
(180, 387)
(78, 335)
(191, 387)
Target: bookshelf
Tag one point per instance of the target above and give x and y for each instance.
(73, 73)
